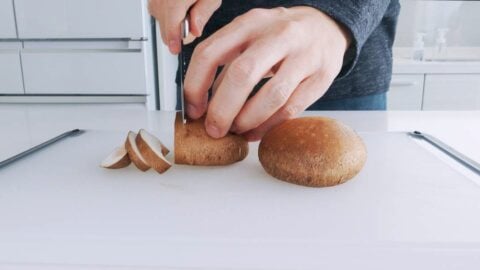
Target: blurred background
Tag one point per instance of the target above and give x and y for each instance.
(71, 51)
(461, 18)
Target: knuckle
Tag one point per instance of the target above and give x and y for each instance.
(281, 10)
(204, 51)
(241, 20)
(278, 95)
(289, 111)
(257, 12)
(327, 74)
(242, 71)
(292, 28)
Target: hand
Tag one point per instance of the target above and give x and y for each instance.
(171, 13)
(302, 47)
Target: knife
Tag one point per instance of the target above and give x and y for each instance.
(182, 65)
(464, 160)
(34, 149)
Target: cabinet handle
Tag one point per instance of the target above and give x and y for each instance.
(403, 83)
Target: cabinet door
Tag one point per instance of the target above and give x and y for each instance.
(406, 92)
(452, 92)
(10, 72)
(7, 20)
(62, 71)
(80, 18)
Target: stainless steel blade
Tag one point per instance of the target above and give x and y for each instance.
(464, 160)
(182, 64)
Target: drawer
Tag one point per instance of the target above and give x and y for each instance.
(70, 71)
(406, 92)
(10, 72)
(80, 18)
(452, 92)
(7, 20)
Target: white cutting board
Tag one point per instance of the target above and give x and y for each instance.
(406, 206)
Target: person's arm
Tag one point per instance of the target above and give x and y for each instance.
(304, 44)
(359, 17)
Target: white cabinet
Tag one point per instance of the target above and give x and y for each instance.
(10, 68)
(452, 92)
(7, 20)
(406, 92)
(84, 71)
(65, 19)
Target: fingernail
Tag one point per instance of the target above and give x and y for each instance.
(213, 131)
(173, 45)
(192, 110)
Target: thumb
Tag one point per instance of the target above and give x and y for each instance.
(201, 13)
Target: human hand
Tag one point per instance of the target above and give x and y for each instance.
(303, 48)
(171, 13)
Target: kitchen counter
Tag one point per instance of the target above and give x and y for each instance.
(26, 125)
(458, 60)
(410, 66)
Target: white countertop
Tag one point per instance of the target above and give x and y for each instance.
(31, 124)
(392, 243)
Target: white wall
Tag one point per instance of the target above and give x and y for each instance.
(461, 17)
(167, 67)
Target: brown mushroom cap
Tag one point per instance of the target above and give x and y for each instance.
(312, 151)
(193, 146)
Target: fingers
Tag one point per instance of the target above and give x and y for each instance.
(219, 79)
(240, 78)
(174, 13)
(273, 95)
(305, 95)
(200, 13)
(170, 14)
(217, 50)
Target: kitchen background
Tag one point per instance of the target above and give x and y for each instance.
(105, 51)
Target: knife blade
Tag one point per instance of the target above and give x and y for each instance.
(182, 65)
(34, 149)
(461, 158)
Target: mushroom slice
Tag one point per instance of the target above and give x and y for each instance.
(153, 151)
(134, 153)
(117, 159)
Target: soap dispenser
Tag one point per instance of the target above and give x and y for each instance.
(441, 43)
(419, 47)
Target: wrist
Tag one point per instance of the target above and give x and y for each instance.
(342, 32)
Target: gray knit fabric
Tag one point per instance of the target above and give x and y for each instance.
(368, 63)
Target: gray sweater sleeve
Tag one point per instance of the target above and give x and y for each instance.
(360, 17)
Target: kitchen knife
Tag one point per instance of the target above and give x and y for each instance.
(182, 66)
(40, 146)
(464, 160)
